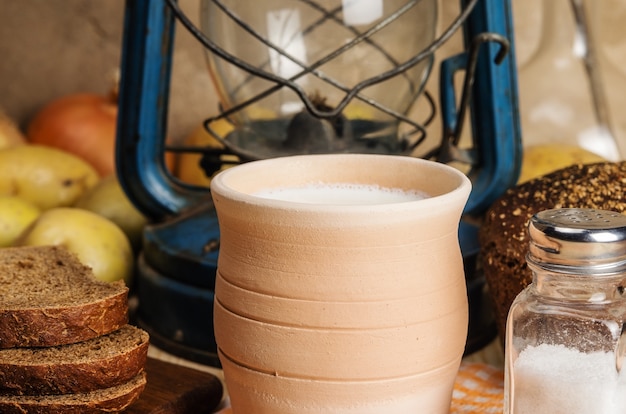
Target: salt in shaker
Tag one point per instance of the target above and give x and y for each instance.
(565, 339)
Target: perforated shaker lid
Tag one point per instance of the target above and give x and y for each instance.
(578, 240)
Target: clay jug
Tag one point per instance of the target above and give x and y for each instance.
(340, 285)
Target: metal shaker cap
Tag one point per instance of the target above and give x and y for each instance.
(578, 240)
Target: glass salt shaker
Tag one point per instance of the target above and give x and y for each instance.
(565, 338)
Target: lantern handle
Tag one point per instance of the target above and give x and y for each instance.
(490, 93)
(143, 109)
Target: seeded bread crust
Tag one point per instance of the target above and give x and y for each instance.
(98, 363)
(49, 298)
(503, 235)
(110, 400)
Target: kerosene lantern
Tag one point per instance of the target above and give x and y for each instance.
(295, 77)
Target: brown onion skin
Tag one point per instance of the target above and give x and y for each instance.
(83, 124)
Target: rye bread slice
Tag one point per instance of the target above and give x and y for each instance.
(101, 362)
(48, 298)
(108, 400)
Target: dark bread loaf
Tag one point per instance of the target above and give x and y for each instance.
(108, 400)
(101, 362)
(504, 236)
(49, 298)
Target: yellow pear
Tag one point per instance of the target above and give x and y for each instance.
(98, 242)
(10, 134)
(16, 215)
(108, 199)
(45, 176)
(538, 160)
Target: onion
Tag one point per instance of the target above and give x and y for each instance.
(83, 124)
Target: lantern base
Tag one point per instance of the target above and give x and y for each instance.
(179, 350)
(178, 316)
(174, 284)
(482, 327)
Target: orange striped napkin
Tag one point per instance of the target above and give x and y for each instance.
(479, 389)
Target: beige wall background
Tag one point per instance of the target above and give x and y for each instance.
(49, 48)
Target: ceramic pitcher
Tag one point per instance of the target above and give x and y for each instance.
(333, 304)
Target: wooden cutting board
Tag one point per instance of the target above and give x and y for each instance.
(174, 389)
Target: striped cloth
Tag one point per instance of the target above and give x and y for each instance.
(479, 389)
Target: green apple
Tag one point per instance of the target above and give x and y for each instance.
(98, 242)
(16, 214)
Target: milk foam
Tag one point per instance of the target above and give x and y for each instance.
(341, 194)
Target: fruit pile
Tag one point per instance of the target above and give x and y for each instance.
(58, 186)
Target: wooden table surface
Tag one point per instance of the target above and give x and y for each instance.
(176, 389)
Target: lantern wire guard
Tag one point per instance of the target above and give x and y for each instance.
(447, 151)
(178, 262)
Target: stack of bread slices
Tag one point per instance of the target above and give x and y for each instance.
(65, 342)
